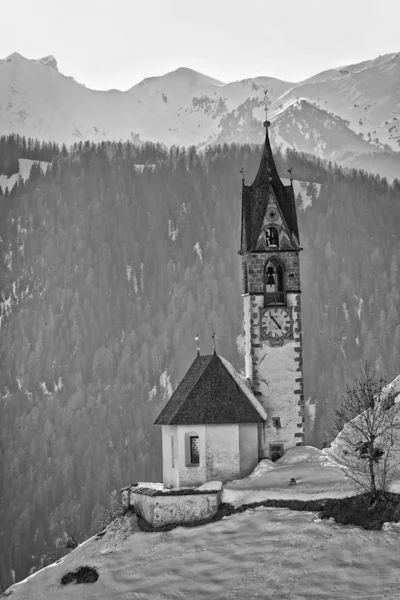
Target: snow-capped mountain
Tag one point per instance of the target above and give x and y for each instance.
(346, 114)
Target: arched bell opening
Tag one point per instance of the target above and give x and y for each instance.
(274, 278)
(272, 237)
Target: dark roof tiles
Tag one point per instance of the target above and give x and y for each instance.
(208, 394)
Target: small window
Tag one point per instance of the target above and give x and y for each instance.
(276, 422)
(194, 450)
(275, 451)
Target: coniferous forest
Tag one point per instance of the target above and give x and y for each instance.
(108, 272)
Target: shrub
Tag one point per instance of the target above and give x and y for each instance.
(81, 575)
(363, 511)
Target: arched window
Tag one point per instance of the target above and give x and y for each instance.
(274, 283)
(193, 449)
(272, 237)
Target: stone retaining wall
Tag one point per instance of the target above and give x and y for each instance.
(170, 507)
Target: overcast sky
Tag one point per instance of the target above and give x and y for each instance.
(117, 43)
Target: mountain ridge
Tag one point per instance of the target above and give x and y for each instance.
(185, 107)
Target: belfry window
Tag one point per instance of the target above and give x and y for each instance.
(274, 283)
(272, 237)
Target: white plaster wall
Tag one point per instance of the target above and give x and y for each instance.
(164, 510)
(222, 452)
(274, 374)
(191, 476)
(248, 448)
(170, 473)
(247, 334)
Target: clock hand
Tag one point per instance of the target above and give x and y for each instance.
(276, 322)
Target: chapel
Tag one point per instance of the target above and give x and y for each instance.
(218, 423)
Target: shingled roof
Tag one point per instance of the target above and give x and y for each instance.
(211, 392)
(255, 199)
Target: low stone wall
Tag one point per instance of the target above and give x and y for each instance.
(171, 507)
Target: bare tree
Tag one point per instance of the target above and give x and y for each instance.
(367, 427)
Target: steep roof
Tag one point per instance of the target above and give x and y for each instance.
(211, 392)
(255, 199)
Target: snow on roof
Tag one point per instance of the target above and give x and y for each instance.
(245, 386)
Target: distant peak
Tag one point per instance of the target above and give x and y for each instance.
(13, 56)
(191, 73)
(184, 74)
(47, 61)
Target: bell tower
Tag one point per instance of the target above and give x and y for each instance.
(270, 252)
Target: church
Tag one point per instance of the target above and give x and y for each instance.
(218, 424)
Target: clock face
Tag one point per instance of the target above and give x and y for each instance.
(276, 322)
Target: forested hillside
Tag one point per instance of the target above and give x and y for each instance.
(14, 147)
(109, 271)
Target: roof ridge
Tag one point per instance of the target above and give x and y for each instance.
(198, 380)
(259, 408)
(209, 394)
(195, 382)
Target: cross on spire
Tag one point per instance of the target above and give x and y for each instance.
(267, 102)
(214, 341)
(196, 339)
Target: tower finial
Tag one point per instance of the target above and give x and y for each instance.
(291, 176)
(214, 341)
(241, 171)
(267, 102)
(196, 338)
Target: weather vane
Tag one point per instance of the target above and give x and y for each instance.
(267, 101)
(196, 339)
(214, 341)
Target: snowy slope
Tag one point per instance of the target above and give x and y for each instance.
(304, 126)
(367, 95)
(263, 553)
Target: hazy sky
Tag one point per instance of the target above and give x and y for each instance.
(117, 43)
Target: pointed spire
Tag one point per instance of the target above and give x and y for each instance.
(255, 197)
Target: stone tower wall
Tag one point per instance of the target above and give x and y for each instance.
(276, 372)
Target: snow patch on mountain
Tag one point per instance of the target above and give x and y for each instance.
(25, 165)
(307, 190)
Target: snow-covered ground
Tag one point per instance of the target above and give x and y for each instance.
(25, 165)
(260, 553)
(264, 553)
(317, 475)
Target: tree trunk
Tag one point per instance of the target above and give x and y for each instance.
(374, 492)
